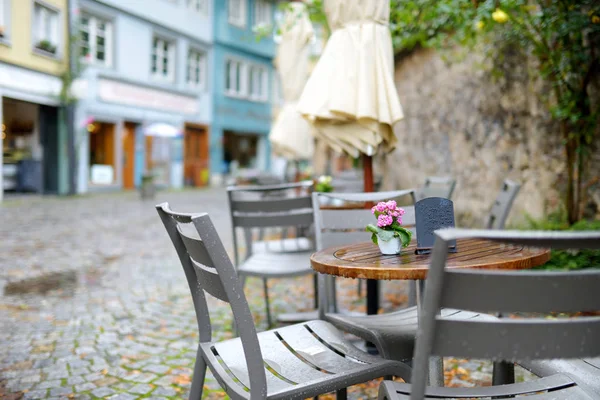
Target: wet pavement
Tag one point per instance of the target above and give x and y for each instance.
(94, 303)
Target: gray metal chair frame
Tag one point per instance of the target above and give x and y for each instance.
(260, 207)
(294, 362)
(502, 205)
(511, 340)
(436, 186)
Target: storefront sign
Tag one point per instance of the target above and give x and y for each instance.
(29, 81)
(124, 93)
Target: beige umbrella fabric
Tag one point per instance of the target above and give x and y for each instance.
(350, 97)
(291, 135)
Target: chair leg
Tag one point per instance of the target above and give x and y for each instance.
(341, 394)
(316, 289)
(198, 378)
(268, 310)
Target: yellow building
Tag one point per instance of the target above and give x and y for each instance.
(33, 57)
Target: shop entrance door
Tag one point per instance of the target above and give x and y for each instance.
(196, 155)
(128, 155)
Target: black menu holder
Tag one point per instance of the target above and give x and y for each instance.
(431, 214)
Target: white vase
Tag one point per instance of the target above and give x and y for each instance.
(390, 247)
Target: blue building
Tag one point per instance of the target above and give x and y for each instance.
(242, 85)
(146, 64)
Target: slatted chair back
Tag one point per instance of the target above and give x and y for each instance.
(502, 205)
(436, 186)
(258, 207)
(530, 292)
(336, 227)
(208, 269)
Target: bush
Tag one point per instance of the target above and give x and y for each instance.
(568, 259)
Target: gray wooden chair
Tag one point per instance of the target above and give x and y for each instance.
(392, 333)
(502, 205)
(506, 339)
(255, 208)
(294, 362)
(436, 186)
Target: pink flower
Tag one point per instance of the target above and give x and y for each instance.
(399, 219)
(400, 211)
(391, 205)
(384, 220)
(381, 207)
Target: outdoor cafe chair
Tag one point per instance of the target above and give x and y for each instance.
(393, 334)
(285, 206)
(437, 186)
(513, 340)
(496, 219)
(294, 362)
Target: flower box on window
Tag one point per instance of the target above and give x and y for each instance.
(46, 46)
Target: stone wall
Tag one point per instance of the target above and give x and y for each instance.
(462, 120)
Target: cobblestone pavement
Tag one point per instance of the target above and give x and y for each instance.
(95, 304)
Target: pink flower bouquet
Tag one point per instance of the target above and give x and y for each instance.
(389, 223)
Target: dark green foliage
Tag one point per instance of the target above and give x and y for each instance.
(568, 259)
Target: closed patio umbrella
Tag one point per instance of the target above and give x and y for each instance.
(291, 135)
(350, 98)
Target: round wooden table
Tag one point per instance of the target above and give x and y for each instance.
(365, 261)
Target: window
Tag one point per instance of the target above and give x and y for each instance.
(262, 13)
(235, 84)
(96, 40)
(236, 11)
(197, 5)
(196, 68)
(163, 60)
(257, 76)
(4, 19)
(45, 29)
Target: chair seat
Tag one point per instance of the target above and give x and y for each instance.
(584, 371)
(277, 265)
(288, 245)
(393, 333)
(555, 387)
(301, 361)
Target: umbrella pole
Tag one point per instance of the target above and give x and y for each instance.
(372, 284)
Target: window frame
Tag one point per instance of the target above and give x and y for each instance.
(240, 21)
(263, 8)
(193, 5)
(236, 70)
(92, 30)
(37, 27)
(202, 63)
(257, 78)
(171, 55)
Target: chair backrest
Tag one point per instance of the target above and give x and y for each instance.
(528, 292)
(502, 205)
(208, 269)
(283, 205)
(436, 186)
(335, 227)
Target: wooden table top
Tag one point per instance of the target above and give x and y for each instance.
(364, 260)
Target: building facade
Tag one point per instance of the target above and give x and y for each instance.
(147, 104)
(33, 57)
(242, 86)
